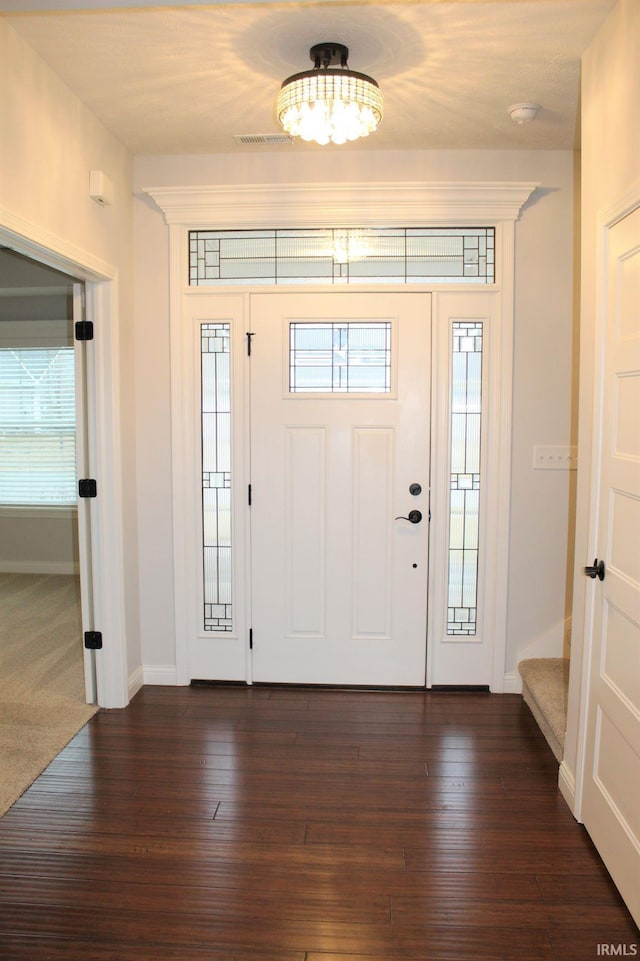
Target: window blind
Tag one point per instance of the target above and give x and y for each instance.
(37, 426)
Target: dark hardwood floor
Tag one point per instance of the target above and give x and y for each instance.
(274, 824)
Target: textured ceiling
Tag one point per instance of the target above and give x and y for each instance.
(168, 79)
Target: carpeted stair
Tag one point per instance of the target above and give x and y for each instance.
(545, 681)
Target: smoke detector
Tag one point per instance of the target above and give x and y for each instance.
(523, 112)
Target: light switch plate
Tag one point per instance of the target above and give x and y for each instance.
(555, 458)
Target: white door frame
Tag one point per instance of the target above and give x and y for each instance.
(103, 431)
(313, 205)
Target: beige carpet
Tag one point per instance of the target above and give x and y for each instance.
(42, 700)
(545, 683)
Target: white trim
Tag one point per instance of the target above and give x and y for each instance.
(136, 681)
(160, 674)
(107, 585)
(567, 786)
(39, 567)
(50, 249)
(181, 438)
(499, 463)
(512, 683)
(288, 205)
(107, 536)
(306, 205)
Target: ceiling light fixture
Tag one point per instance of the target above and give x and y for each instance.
(329, 104)
(523, 112)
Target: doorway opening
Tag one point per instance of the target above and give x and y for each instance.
(46, 682)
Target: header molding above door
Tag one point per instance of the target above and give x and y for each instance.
(313, 204)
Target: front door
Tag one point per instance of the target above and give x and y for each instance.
(612, 765)
(339, 487)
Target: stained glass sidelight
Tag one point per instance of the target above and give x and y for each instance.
(342, 357)
(343, 255)
(466, 416)
(216, 476)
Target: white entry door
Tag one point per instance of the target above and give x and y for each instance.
(339, 463)
(610, 808)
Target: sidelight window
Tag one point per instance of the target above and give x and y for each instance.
(216, 476)
(464, 510)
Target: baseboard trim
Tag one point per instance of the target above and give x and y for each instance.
(160, 674)
(567, 787)
(136, 681)
(512, 683)
(39, 567)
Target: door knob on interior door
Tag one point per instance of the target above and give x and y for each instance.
(595, 570)
(414, 517)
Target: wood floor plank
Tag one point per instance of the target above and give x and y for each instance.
(200, 903)
(29, 948)
(281, 824)
(339, 880)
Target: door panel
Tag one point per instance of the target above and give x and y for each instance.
(339, 585)
(612, 768)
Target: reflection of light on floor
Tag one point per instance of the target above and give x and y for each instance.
(452, 787)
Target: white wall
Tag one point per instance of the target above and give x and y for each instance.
(49, 142)
(39, 541)
(610, 167)
(543, 364)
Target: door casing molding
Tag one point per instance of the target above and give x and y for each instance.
(355, 204)
(112, 687)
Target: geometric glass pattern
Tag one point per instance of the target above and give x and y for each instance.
(341, 357)
(343, 255)
(216, 475)
(466, 415)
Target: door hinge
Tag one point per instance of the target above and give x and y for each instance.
(84, 330)
(250, 638)
(249, 495)
(87, 487)
(93, 640)
(250, 336)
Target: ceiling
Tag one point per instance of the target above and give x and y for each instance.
(168, 79)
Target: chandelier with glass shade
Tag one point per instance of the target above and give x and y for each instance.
(329, 104)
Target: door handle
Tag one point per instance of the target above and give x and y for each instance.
(414, 517)
(595, 570)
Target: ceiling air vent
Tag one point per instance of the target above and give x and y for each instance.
(251, 138)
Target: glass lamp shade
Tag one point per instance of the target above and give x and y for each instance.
(329, 106)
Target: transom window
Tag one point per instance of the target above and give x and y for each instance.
(339, 255)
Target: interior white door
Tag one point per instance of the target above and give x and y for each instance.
(339, 434)
(610, 806)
